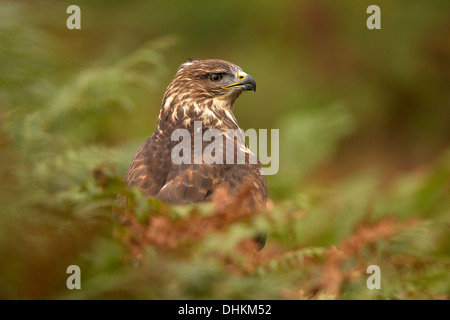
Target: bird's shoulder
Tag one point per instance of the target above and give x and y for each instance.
(149, 167)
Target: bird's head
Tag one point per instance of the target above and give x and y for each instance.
(212, 79)
(206, 89)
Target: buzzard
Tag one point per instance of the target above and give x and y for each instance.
(200, 100)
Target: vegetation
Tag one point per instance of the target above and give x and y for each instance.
(364, 173)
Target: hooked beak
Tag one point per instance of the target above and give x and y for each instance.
(246, 82)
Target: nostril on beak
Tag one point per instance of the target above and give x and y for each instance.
(241, 75)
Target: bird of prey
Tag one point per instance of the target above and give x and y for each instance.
(200, 100)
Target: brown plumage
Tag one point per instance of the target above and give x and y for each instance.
(205, 91)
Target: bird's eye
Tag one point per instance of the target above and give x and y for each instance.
(215, 77)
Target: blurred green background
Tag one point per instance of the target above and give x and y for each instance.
(364, 136)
